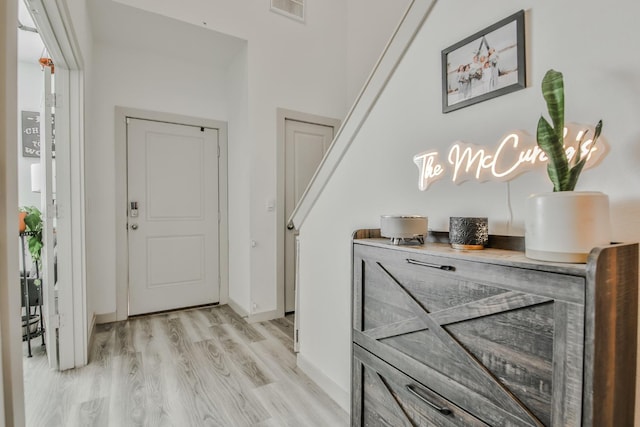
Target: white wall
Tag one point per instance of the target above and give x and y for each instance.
(589, 43)
(239, 179)
(30, 97)
(143, 80)
(369, 27)
(79, 16)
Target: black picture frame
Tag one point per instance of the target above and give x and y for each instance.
(498, 52)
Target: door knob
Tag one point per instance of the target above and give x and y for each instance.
(290, 226)
(134, 226)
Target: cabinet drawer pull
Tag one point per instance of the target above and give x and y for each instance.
(443, 410)
(426, 264)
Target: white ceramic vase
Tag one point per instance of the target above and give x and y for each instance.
(564, 226)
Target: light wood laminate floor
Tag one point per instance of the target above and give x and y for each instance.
(201, 367)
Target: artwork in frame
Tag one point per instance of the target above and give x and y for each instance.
(31, 134)
(488, 64)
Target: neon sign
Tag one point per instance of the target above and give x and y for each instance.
(516, 154)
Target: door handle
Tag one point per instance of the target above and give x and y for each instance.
(134, 226)
(290, 226)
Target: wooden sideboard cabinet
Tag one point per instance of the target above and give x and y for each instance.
(473, 338)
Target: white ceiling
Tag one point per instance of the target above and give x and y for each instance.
(30, 44)
(121, 25)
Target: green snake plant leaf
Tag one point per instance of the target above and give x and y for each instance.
(574, 174)
(551, 138)
(553, 94)
(576, 170)
(558, 166)
(578, 155)
(596, 135)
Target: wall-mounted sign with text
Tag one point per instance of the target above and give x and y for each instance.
(31, 134)
(517, 153)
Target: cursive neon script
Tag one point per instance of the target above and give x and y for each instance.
(515, 154)
(430, 169)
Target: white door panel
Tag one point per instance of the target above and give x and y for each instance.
(308, 151)
(166, 191)
(186, 253)
(173, 233)
(305, 146)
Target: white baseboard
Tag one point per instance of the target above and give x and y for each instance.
(337, 393)
(92, 328)
(237, 308)
(105, 318)
(264, 316)
(92, 325)
(255, 317)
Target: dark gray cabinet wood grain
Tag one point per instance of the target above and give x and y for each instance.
(501, 339)
(390, 397)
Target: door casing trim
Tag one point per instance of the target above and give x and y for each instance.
(122, 256)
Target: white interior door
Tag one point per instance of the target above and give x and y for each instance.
(305, 146)
(47, 202)
(173, 216)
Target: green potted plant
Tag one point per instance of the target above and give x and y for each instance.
(33, 223)
(564, 225)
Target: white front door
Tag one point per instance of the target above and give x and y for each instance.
(305, 146)
(173, 216)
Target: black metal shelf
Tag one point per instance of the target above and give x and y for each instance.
(29, 335)
(31, 299)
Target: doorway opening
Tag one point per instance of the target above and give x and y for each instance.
(50, 170)
(31, 94)
(303, 141)
(37, 197)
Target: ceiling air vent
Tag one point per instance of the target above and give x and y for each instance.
(291, 8)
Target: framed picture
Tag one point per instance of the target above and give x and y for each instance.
(31, 134)
(487, 64)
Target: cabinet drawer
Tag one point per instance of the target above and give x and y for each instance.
(421, 266)
(387, 397)
(490, 329)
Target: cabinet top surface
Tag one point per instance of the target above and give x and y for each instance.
(488, 255)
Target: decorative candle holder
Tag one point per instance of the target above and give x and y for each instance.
(468, 233)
